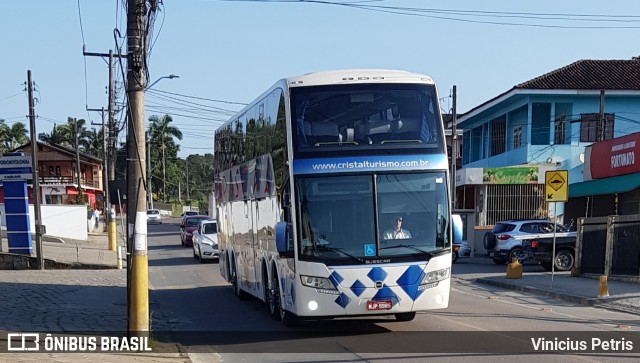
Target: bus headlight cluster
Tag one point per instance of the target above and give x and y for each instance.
(317, 282)
(435, 276)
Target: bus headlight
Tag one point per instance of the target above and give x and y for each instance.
(435, 276)
(317, 282)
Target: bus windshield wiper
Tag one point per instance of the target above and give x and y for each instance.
(411, 247)
(344, 253)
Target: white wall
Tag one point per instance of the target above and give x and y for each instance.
(64, 221)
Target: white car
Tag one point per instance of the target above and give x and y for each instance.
(153, 216)
(205, 241)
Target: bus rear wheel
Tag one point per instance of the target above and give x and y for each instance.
(236, 285)
(405, 316)
(274, 297)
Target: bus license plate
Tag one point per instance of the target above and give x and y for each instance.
(379, 304)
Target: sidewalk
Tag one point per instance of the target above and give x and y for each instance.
(623, 296)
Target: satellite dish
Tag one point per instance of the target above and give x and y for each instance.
(581, 157)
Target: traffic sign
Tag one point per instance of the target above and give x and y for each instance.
(556, 185)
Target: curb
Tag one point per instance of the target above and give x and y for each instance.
(534, 290)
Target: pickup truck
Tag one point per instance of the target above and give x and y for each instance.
(542, 248)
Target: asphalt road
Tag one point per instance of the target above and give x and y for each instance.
(192, 302)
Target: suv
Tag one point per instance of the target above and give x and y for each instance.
(504, 242)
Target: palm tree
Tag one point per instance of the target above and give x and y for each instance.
(77, 126)
(162, 133)
(18, 135)
(57, 136)
(94, 142)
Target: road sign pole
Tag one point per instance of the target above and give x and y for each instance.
(553, 251)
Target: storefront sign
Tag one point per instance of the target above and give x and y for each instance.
(612, 157)
(15, 167)
(528, 175)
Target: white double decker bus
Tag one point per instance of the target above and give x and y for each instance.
(332, 192)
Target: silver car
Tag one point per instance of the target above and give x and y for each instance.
(504, 242)
(153, 216)
(205, 240)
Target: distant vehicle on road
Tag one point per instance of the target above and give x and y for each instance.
(189, 213)
(504, 242)
(205, 240)
(153, 216)
(187, 227)
(460, 250)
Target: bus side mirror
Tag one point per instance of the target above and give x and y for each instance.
(457, 228)
(282, 240)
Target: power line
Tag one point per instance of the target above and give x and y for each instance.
(470, 14)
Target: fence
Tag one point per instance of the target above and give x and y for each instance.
(609, 246)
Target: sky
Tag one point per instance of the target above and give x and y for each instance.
(226, 53)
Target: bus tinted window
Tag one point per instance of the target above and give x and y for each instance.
(365, 117)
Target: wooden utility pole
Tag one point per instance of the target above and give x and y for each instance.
(36, 174)
(136, 186)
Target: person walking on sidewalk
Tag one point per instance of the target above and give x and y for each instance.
(96, 216)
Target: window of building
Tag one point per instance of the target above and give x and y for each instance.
(517, 137)
(540, 128)
(498, 135)
(592, 129)
(562, 124)
(560, 130)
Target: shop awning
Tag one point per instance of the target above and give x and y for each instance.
(611, 185)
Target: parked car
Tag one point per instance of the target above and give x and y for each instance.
(205, 240)
(461, 250)
(541, 250)
(153, 216)
(504, 242)
(189, 213)
(188, 225)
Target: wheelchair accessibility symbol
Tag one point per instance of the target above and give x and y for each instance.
(370, 250)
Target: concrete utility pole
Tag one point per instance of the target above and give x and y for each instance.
(603, 120)
(186, 165)
(454, 151)
(113, 134)
(78, 168)
(136, 186)
(36, 174)
(149, 176)
(110, 137)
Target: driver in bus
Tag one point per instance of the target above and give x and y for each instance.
(397, 232)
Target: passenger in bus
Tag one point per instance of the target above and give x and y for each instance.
(397, 232)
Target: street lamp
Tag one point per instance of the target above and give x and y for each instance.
(171, 76)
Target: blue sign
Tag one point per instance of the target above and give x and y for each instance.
(369, 250)
(15, 167)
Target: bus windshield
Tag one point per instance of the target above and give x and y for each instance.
(365, 117)
(362, 218)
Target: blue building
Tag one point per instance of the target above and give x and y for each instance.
(510, 141)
